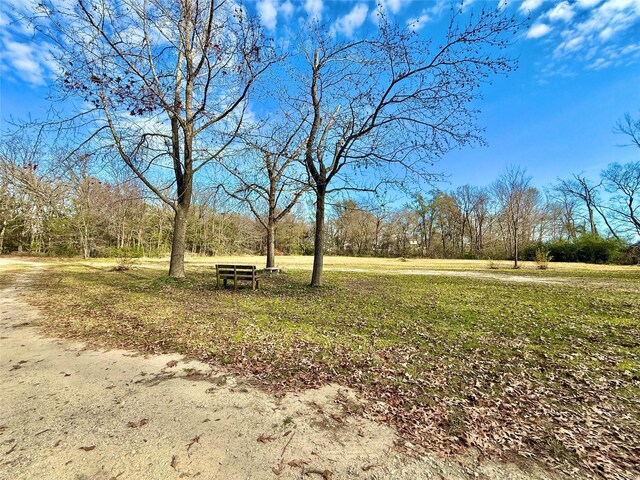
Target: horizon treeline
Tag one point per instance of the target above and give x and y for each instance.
(65, 210)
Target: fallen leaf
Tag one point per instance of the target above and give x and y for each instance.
(264, 438)
(139, 424)
(326, 474)
(88, 449)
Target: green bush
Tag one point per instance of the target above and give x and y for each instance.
(587, 249)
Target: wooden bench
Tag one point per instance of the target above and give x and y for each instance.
(236, 273)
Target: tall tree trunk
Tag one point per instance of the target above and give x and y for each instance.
(318, 254)
(271, 243)
(515, 247)
(2, 231)
(613, 232)
(592, 223)
(176, 267)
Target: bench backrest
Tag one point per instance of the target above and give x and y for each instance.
(241, 272)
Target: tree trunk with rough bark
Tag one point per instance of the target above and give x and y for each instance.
(318, 254)
(178, 242)
(271, 244)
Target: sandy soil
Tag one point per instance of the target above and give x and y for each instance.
(70, 411)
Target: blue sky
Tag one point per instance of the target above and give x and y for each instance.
(579, 72)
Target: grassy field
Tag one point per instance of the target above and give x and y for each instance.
(547, 366)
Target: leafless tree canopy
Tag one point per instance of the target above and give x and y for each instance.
(163, 83)
(394, 102)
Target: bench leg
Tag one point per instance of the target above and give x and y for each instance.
(224, 283)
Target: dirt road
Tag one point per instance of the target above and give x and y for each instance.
(70, 411)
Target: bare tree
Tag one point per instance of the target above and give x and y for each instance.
(267, 176)
(393, 100)
(465, 198)
(630, 127)
(623, 182)
(515, 197)
(580, 188)
(565, 205)
(425, 211)
(480, 218)
(34, 194)
(167, 83)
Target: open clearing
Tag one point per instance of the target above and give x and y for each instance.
(545, 366)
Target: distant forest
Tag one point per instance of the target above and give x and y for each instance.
(61, 208)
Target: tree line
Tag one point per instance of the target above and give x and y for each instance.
(49, 205)
(195, 102)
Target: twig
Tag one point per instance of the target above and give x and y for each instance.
(278, 470)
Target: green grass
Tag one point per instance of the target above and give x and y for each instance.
(535, 368)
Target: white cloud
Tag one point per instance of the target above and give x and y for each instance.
(287, 8)
(268, 13)
(587, 3)
(22, 60)
(314, 8)
(394, 6)
(562, 11)
(352, 20)
(573, 44)
(630, 49)
(530, 5)
(538, 30)
(596, 34)
(607, 33)
(419, 22)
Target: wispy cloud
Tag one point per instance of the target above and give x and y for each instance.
(268, 13)
(562, 11)
(22, 58)
(530, 5)
(314, 9)
(352, 20)
(394, 6)
(595, 33)
(417, 23)
(23, 61)
(538, 30)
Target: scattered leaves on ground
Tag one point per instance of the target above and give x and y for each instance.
(546, 371)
